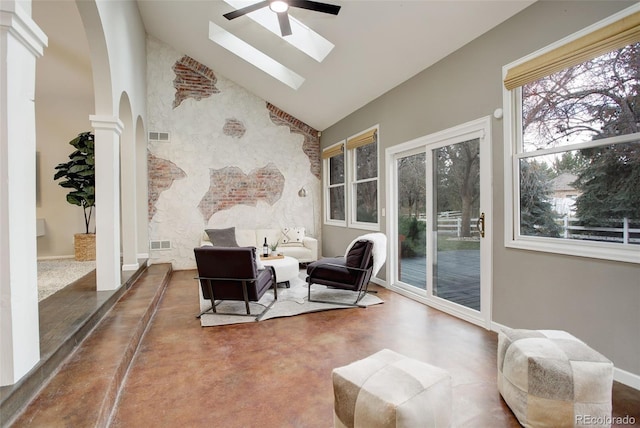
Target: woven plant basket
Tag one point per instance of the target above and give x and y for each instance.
(85, 246)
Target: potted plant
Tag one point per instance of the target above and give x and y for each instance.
(79, 175)
(274, 248)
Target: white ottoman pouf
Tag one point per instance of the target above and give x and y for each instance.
(549, 378)
(387, 389)
(287, 268)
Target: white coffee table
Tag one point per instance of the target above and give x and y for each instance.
(286, 268)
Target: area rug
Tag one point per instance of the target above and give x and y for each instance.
(56, 274)
(291, 301)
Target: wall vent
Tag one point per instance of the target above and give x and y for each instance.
(159, 137)
(160, 245)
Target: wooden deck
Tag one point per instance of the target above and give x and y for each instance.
(457, 276)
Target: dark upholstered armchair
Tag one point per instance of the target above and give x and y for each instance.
(351, 272)
(230, 273)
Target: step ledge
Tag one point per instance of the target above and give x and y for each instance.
(124, 304)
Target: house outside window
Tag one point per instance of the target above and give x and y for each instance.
(335, 186)
(572, 137)
(363, 154)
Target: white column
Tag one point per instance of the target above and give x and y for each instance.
(107, 151)
(21, 43)
(128, 200)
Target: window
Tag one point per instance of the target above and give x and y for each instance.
(333, 158)
(363, 155)
(572, 141)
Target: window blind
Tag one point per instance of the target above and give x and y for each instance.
(606, 39)
(338, 149)
(362, 139)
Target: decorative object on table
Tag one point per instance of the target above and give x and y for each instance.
(265, 248)
(231, 273)
(389, 390)
(362, 260)
(549, 378)
(79, 175)
(272, 257)
(274, 248)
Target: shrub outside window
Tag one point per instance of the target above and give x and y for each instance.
(575, 158)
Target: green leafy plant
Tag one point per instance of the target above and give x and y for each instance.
(273, 246)
(79, 175)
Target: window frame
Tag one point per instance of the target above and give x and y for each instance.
(512, 129)
(327, 186)
(353, 182)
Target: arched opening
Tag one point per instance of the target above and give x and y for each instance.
(64, 101)
(128, 187)
(142, 190)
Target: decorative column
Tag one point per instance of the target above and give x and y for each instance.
(107, 151)
(21, 43)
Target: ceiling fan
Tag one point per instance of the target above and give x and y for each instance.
(280, 7)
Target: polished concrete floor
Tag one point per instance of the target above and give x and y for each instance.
(274, 373)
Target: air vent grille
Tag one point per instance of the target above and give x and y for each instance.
(160, 245)
(159, 137)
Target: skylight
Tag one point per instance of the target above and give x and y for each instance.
(254, 56)
(303, 37)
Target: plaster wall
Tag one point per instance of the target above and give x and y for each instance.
(597, 301)
(206, 134)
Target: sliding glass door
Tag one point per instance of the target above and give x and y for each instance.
(456, 228)
(411, 226)
(440, 218)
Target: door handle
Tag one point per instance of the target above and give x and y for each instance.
(480, 225)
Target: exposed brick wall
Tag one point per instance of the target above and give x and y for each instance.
(230, 186)
(311, 145)
(193, 80)
(162, 174)
(234, 128)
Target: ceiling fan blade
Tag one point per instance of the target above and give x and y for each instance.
(315, 6)
(245, 10)
(285, 25)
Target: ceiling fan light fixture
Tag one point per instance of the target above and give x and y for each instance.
(278, 6)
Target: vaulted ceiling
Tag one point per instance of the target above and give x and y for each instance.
(378, 45)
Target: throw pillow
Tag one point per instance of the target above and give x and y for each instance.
(223, 237)
(292, 236)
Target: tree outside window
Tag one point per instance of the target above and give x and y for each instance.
(336, 188)
(583, 122)
(365, 184)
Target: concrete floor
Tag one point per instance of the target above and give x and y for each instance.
(274, 373)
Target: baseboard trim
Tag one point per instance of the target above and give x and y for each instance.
(132, 266)
(378, 281)
(70, 256)
(632, 380)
